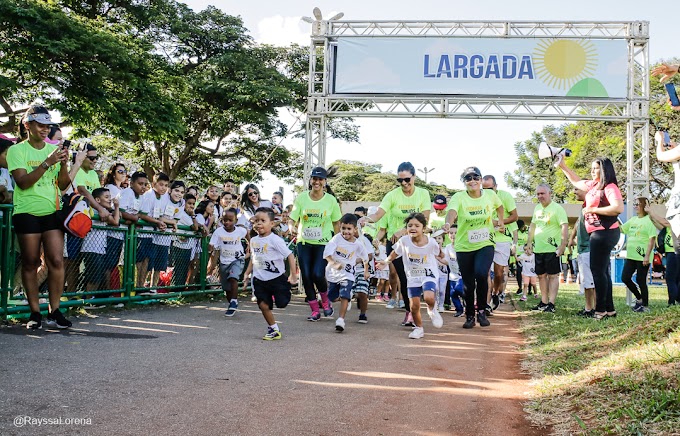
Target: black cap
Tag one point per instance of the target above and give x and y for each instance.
(319, 172)
(439, 202)
(470, 170)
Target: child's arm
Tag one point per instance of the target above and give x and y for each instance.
(381, 264)
(292, 278)
(249, 270)
(156, 222)
(114, 218)
(333, 263)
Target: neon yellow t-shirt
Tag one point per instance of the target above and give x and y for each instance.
(90, 180)
(668, 241)
(639, 231)
(436, 222)
(43, 197)
(548, 222)
(475, 225)
(315, 218)
(508, 206)
(521, 241)
(398, 206)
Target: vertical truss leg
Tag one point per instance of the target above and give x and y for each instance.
(315, 144)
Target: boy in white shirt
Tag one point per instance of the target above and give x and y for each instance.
(171, 204)
(268, 252)
(183, 247)
(130, 204)
(455, 281)
(150, 211)
(342, 253)
(529, 277)
(226, 242)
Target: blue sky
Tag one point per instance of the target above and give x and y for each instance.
(445, 145)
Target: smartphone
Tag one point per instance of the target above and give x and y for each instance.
(670, 89)
(66, 144)
(666, 138)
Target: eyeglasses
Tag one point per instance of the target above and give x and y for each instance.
(405, 179)
(253, 193)
(121, 171)
(471, 177)
(93, 158)
(636, 204)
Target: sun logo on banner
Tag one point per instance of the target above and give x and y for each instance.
(568, 64)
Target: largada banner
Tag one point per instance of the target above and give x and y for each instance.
(548, 67)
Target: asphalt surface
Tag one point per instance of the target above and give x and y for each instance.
(190, 370)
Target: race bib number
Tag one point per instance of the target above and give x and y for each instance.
(418, 272)
(312, 233)
(479, 235)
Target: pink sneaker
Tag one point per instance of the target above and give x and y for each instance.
(523, 298)
(408, 320)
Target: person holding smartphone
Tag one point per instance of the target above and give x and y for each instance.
(668, 151)
(40, 171)
(667, 72)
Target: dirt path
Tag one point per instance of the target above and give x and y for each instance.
(190, 370)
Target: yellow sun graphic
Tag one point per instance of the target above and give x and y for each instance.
(562, 62)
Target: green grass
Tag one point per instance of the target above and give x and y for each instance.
(616, 376)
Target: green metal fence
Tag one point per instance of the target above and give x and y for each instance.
(109, 267)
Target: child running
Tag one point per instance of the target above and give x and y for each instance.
(443, 266)
(455, 281)
(268, 252)
(528, 260)
(342, 253)
(227, 241)
(420, 254)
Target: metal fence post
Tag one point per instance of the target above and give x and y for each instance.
(203, 269)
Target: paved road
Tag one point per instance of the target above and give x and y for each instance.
(189, 370)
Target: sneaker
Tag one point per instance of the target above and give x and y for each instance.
(349, 305)
(496, 301)
(340, 324)
(550, 308)
(147, 292)
(231, 311)
(645, 309)
(391, 304)
(314, 317)
(440, 308)
(518, 292)
(489, 310)
(447, 307)
(56, 319)
(417, 333)
(501, 297)
(469, 322)
(523, 298)
(328, 312)
(482, 320)
(254, 300)
(118, 306)
(272, 335)
(436, 318)
(408, 320)
(458, 314)
(34, 321)
(540, 307)
(402, 304)
(363, 319)
(637, 307)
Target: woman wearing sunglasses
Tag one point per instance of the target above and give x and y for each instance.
(473, 210)
(250, 202)
(315, 216)
(113, 181)
(398, 204)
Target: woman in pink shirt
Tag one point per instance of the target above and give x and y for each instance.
(602, 206)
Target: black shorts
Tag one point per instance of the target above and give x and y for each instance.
(278, 288)
(25, 223)
(548, 263)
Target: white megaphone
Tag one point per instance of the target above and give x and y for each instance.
(555, 153)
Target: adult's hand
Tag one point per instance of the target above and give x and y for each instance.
(665, 71)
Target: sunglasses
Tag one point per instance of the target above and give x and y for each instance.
(405, 179)
(636, 204)
(93, 158)
(253, 193)
(121, 171)
(471, 177)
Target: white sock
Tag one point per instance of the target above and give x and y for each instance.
(275, 326)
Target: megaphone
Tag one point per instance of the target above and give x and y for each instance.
(555, 153)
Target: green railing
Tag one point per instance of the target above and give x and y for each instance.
(90, 275)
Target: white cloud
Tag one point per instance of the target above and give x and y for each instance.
(280, 30)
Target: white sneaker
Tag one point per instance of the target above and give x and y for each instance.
(253, 299)
(417, 333)
(391, 304)
(401, 304)
(437, 321)
(340, 324)
(349, 305)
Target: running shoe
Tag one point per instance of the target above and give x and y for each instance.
(550, 308)
(637, 307)
(482, 320)
(57, 320)
(518, 292)
(469, 322)
(328, 312)
(436, 318)
(523, 298)
(391, 304)
(363, 319)
(417, 333)
(253, 299)
(447, 307)
(401, 304)
(458, 314)
(340, 325)
(272, 335)
(489, 310)
(34, 321)
(314, 317)
(231, 311)
(501, 297)
(540, 307)
(495, 299)
(408, 320)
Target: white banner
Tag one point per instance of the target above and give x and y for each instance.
(546, 67)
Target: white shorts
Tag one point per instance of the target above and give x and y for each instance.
(585, 276)
(501, 254)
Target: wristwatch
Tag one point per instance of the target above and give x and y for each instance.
(44, 165)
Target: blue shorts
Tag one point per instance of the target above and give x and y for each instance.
(340, 290)
(113, 248)
(159, 258)
(73, 246)
(144, 249)
(417, 292)
(456, 286)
